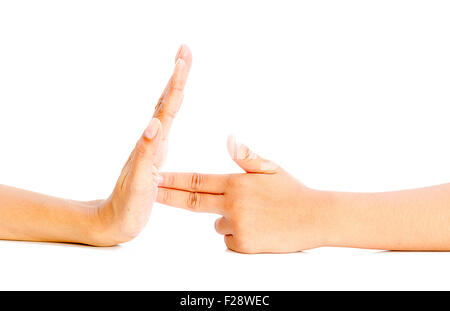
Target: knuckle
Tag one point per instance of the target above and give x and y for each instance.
(231, 182)
(196, 181)
(163, 109)
(235, 207)
(160, 103)
(239, 182)
(159, 106)
(165, 196)
(167, 113)
(175, 84)
(235, 182)
(164, 112)
(170, 179)
(141, 148)
(193, 201)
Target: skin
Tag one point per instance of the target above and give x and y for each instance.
(266, 210)
(30, 216)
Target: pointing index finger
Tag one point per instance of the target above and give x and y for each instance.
(206, 183)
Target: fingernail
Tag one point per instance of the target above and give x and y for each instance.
(231, 144)
(152, 129)
(268, 166)
(238, 149)
(241, 151)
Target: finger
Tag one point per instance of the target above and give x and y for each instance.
(179, 78)
(192, 201)
(230, 242)
(148, 145)
(172, 97)
(207, 183)
(184, 52)
(248, 160)
(140, 170)
(223, 226)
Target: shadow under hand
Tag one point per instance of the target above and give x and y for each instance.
(63, 244)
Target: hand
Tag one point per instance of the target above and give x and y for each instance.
(122, 216)
(264, 210)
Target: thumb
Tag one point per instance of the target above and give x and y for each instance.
(248, 160)
(146, 151)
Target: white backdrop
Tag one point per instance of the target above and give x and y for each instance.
(346, 95)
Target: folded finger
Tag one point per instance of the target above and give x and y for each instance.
(223, 226)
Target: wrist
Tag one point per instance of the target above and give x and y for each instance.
(109, 225)
(99, 228)
(77, 221)
(329, 218)
(346, 225)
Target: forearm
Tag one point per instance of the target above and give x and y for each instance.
(417, 219)
(30, 216)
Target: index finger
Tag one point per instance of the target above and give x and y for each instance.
(170, 101)
(206, 183)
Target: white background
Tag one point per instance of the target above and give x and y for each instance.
(346, 95)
